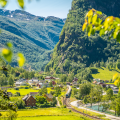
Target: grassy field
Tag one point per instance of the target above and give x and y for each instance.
(51, 118)
(104, 74)
(22, 91)
(47, 113)
(25, 91)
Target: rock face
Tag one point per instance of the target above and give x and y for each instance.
(74, 49)
(32, 35)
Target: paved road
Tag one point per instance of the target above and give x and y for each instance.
(75, 103)
(58, 104)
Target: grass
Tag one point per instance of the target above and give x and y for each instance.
(47, 113)
(51, 118)
(22, 91)
(105, 74)
(26, 91)
(91, 113)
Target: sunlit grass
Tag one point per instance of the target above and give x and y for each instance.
(104, 74)
(47, 114)
(22, 91)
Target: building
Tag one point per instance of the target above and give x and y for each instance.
(9, 94)
(33, 93)
(115, 91)
(53, 83)
(48, 78)
(48, 97)
(41, 85)
(33, 82)
(20, 82)
(29, 100)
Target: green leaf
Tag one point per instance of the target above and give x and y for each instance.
(89, 30)
(89, 19)
(94, 19)
(99, 12)
(118, 37)
(21, 3)
(7, 54)
(21, 59)
(117, 19)
(116, 32)
(84, 26)
(93, 31)
(3, 3)
(9, 45)
(102, 32)
(99, 21)
(89, 14)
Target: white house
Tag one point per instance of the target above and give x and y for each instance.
(33, 82)
(20, 82)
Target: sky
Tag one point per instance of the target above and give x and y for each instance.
(57, 8)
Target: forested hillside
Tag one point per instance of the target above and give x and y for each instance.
(32, 35)
(76, 51)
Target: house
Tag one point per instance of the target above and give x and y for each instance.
(115, 91)
(33, 82)
(74, 82)
(29, 100)
(102, 84)
(48, 97)
(48, 78)
(95, 82)
(67, 83)
(110, 85)
(53, 83)
(41, 85)
(106, 81)
(20, 82)
(9, 94)
(33, 93)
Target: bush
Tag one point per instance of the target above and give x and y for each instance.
(70, 111)
(26, 87)
(94, 70)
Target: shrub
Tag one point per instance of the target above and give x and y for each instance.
(94, 70)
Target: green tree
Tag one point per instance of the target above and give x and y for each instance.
(84, 89)
(11, 81)
(40, 99)
(50, 84)
(20, 104)
(63, 78)
(98, 94)
(70, 78)
(109, 93)
(43, 91)
(92, 95)
(57, 91)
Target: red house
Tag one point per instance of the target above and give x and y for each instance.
(53, 83)
(29, 100)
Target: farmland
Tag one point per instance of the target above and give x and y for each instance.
(45, 114)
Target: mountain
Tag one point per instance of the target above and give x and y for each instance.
(32, 35)
(75, 51)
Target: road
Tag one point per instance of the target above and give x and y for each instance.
(75, 103)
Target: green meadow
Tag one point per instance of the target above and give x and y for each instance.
(22, 91)
(105, 74)
(46, 114)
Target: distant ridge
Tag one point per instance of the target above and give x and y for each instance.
(34, 36)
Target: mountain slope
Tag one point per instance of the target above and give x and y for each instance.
(34, 36)
(75, 50)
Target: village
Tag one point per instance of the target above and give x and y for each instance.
(50, 83)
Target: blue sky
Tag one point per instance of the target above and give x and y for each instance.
(57, 8)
